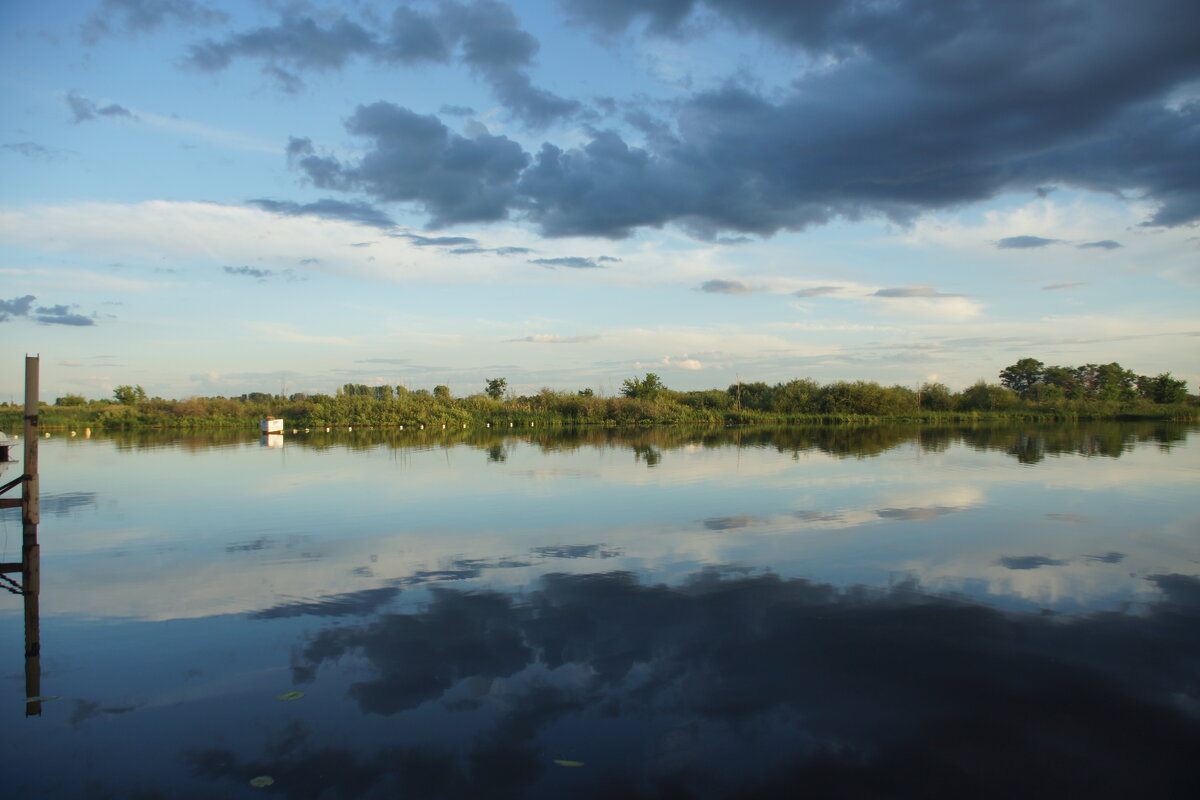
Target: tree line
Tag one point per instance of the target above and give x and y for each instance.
(1027, 389)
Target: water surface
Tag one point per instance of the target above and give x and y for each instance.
(652, 613)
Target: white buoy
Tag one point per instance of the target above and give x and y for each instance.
(349, 428)
(443, 426)
(422, 427)
(47, 434)
(464, 427)
(294, 431)
(72, 434)
(510, 424)
(489, 424)
(327, 430)
(87, 433)
(401, 427)
(306, 430)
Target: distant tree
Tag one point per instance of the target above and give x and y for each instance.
(441, 392)
(1066, 379)
(71, 400)
(756, 396)
(587, 392)
(495, 387)
(1106, 381)
(1022, 376)
(129, 395)
(936, 397)
(1162, 388)
(645, 388)
(986, 397)
(383, 392)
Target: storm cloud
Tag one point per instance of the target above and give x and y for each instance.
(141, 16)
(909, 117)
(415, 158)
(484, 36)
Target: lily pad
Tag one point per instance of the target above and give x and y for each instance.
(289, 697)
(261, 781)
(41, 698)
(562, 762)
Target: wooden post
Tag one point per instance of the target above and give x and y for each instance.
(30, 555)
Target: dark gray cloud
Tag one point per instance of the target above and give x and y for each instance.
(16, 307)
(818, 291)
(1029, 562)
(362, 213)
(483, 35)
(913, 116)
(46, 315)
(1111, 557)
(722, 286)
(83, 109)
(60, 315)
(571, 262)
(297, 41)
(141, 16)
(417, 159)
(1025, 242)
(1104, 244)
(919, 290)
(456, 111)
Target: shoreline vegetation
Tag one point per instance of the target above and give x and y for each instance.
(1028, 391)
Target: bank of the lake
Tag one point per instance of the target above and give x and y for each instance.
(550, 409)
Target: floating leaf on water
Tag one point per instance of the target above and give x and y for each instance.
(289, 697)
(562, 762)
(41, 698)
(261, 781)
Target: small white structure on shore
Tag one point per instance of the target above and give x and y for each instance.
(271, 425)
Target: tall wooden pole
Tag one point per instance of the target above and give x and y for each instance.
(30, 556)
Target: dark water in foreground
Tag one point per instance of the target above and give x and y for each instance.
(881, 612)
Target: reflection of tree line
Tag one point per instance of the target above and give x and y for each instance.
(1028, 443)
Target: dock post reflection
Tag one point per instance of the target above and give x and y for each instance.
(30, 564)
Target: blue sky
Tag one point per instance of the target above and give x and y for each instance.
(215, 198)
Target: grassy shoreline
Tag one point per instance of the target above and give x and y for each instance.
(166, 414)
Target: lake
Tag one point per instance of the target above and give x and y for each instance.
(661, 613)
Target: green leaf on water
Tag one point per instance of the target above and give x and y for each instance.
(562, 762)
(261, 781)
(289, 697)
(41, 698)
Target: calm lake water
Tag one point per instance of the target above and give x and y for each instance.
(674, 613)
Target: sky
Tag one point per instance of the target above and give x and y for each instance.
(213, 198)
